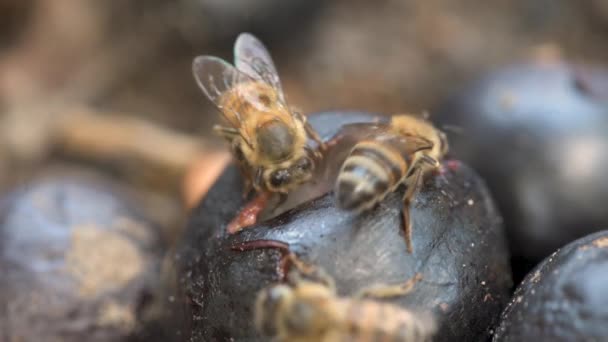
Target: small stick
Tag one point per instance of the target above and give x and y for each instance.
(282, 247)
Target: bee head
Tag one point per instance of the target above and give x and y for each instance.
(296, 173)
(300, 311)
(275, 141)
(269, 307)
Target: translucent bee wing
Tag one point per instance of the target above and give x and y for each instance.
(407, 144)
(341, 144)
(351, 134)
(215, 77)
(252, 58)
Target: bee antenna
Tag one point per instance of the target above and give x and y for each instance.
(297, 113)
(427, 147)
(246, 140)
(453, 128)
(236, 114)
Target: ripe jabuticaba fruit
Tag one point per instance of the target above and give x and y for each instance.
(565, 298)
(78, 261)
(459, 249)
(538, 135)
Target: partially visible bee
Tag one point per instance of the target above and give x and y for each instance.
(267, 137)
(311, 311)
(391, 154)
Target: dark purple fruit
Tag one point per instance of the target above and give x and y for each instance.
(565, 298)
(459, 249)
(217, 20)
(77, 262)
(538, 135)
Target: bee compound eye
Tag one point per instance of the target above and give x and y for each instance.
(304, 164)
(280, 177)
(268, 307)
(276, 293)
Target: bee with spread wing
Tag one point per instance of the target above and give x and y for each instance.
(268, 139)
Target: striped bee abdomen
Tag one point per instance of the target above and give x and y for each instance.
(370, 321)
(372, 169)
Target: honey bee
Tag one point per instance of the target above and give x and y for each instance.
(268, 139)
(310, 311)
(390, 154)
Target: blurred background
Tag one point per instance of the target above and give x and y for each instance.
(106, 88)
(108, 85)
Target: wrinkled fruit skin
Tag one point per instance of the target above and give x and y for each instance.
(459, 247)
(565, 298)
(537, 134)
(76, 262)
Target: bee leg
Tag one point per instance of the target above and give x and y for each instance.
(303, 271)
(407, 229)
(389, 291)
(311, 132)
(230, 134)
(247, 182)
(316, 158)
(413, 179)
(412, 185)
(313, 154)
(227, 133)
(258, 180)
(248, 216)
(289, 259)
(429, 162)
(282, 198)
